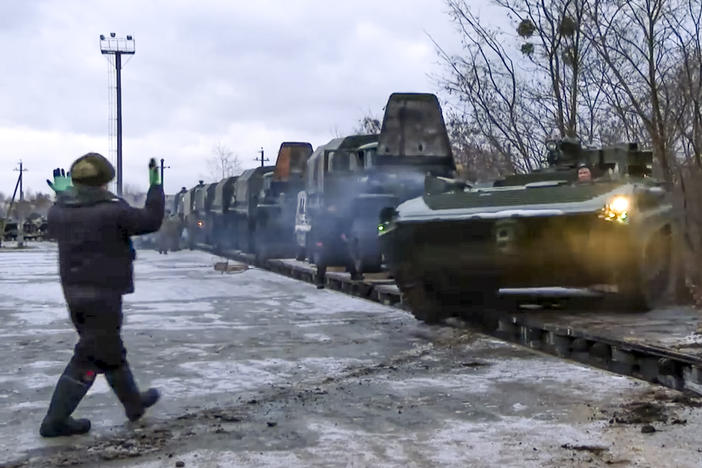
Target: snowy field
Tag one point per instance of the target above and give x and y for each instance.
(260, 370)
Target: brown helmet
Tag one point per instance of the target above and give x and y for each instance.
(92, 169)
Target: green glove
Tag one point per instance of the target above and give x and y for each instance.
(154, 176)
(62, 181)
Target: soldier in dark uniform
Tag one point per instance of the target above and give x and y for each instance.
(93, 229)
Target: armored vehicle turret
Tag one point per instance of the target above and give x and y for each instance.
(594, 216)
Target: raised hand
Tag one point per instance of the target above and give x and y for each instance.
(61, 182)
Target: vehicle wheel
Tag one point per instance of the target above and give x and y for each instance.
(423, 302)
(365, 255)
(648, 287)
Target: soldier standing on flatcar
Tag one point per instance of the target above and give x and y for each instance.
(93, 229)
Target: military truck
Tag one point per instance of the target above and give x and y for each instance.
(203, 199)
(173, 223)
(275, 211)
(455, 246)
(10, 230)
(193, 220)
(247, 190)
(219, 215)
(351, 181)
(323, 213)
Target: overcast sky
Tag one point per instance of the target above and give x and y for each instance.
(244, 73)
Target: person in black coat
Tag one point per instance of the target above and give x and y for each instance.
(93, 229)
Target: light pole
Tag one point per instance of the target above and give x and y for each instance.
(118, 46)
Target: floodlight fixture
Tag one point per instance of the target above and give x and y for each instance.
(118, 46)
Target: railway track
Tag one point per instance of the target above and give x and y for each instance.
(663, 348)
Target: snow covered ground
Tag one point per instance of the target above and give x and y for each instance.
(261, 370)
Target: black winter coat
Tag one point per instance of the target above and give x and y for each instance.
(92, 227)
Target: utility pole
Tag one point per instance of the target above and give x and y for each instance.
(20, 217)
(9, 210)
(117, 47)
(162, 168)
(262, 159)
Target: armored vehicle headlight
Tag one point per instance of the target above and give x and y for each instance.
(619, 204)
(617, 209)
(387, 215)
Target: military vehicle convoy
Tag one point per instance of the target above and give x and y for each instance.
(324, 205)
(351, 180)
(456, 245)
(367, 202)
(253, 212)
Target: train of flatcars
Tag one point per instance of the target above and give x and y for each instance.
(322, 205)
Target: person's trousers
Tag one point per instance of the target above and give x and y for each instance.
(97, 317)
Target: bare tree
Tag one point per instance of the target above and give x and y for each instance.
(475, 160)
(635, 40)
(368, 124)
(223, 163)
(554, 45)
(516, 93)
(687, 87)
(489, 95)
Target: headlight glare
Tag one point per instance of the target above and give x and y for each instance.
(619, 204)
(617, 209)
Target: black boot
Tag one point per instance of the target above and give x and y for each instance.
(58, 421)
(122, 382)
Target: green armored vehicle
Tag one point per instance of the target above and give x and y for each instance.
(592, 217)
